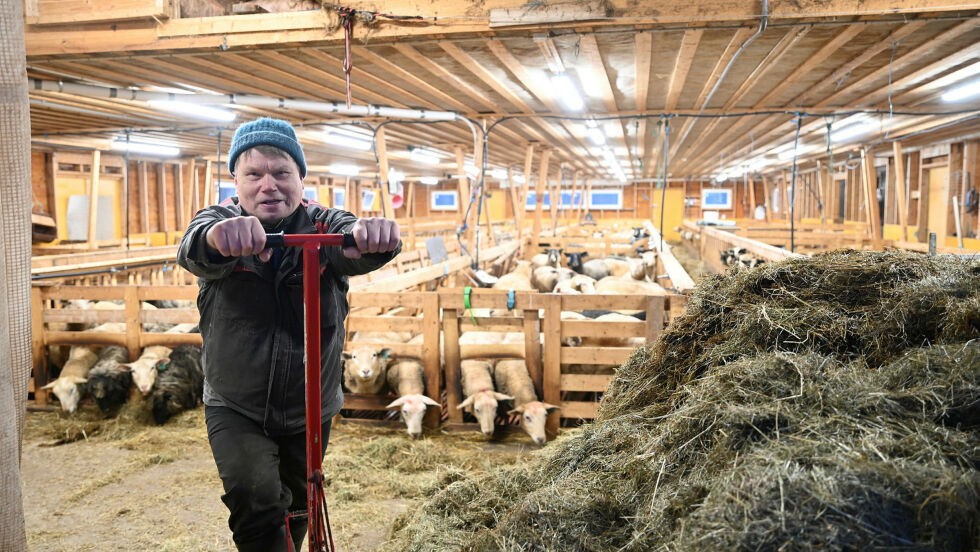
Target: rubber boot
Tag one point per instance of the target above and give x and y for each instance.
(297, 530)
(274, 542)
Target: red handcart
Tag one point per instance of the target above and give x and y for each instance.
(321, 537)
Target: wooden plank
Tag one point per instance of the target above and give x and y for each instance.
(170, 316)
(597, 328)
(84, 316)
(93, 198)
(498, 350)
(430, 356)
(450, 336)
(870, 189)
(593, 355)
(85, 338)
(585, 382)
(900, 188)
(179, 196)
(353, 401)
(532, 350)
(94, 293)
(54, 12)
(656, 318)
(132, 326)
(551, 358)
(39, 370)
(384, 324)
(170, 340)
(539, 190)
(162, 198)
(177, 293)
(579, 409)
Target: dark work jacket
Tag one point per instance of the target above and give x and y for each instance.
(252, 319)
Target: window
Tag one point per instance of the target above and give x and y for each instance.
(224, 192)
(310, 194)
(367, 200)
(338, 198)
(567, 201)
(444, 200)
(606, 199)
(716, 198)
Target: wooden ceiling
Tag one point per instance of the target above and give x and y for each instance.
(727, 77)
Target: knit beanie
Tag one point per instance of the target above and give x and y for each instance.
(266, 132)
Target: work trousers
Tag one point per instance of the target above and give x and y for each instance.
(263, 477)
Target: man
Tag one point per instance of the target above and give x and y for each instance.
(251, 305)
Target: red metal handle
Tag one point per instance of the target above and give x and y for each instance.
(279, 239)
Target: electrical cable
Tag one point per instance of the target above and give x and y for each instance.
(792, 202)
(663, 190)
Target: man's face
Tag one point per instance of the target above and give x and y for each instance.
(269, 187)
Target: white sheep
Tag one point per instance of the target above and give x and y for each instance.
(144, 368)
(365, 369)
(406, 378)
(511, 377)
(81, 359)
(481, 398)
(517, 279)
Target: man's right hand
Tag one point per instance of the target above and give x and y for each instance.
(239, 237)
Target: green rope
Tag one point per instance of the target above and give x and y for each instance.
(466, 304)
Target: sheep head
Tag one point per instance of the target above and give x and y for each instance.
(484, 406)
(67, 390)
(412, 408)
(534, 415)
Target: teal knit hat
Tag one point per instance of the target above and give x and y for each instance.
(266, 132)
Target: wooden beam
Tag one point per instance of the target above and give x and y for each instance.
(539, 190)
(93, 198)
(643, 45)
(382, 150)
(682, 65)
(870, 197)
(142, 183)
(179, 196)
(162, 197)
(209, 195)
(900, 189)
(454, 18)
(464, 195)
(590, 56)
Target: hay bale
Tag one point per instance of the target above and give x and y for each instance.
(792, 408)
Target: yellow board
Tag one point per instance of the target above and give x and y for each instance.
(69, 186)
(497, 205)
(938, 205)
(673, 212)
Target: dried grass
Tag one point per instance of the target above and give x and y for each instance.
(827, 403)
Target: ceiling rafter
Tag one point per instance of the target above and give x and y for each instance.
(785, 44)
(738, 38)
(767, 138)
(593, 58)
(540, 88)
(682, 65)
(643, 48)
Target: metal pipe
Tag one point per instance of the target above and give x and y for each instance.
(250, 100)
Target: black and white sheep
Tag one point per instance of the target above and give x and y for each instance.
(179, 385)
(109, 381)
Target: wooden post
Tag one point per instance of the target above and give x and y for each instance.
(410, 211)
(587, 200)
(784, 197)
(522, 202)
(900, 189)
(51, 177)
(195, 191)
(38, 346)
(765, 200)
(430, 355)
(969, 177)
(532, 349)
(871, 199)
(556, 201)
(389, 211)
(464, 195)
(551, 360)
(450, 333)
(573, 207)
(179, 196)
(133, 325)
(539, 190)
(93, 199)
(514, 198)
(209, 195)
(162, 197)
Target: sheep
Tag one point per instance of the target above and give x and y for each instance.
(544, 278)
(406, 378)
(108, 382)
(481, 398)
(628, 286)
(144, 369)
(81, 359)
(180, 385)
(365, 369)
(512, 378)
(595, 269)
(517, 279)
(551, 257)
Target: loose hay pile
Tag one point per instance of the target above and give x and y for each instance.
(830, 403)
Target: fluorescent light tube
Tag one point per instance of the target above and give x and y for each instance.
(499, 174)
(426, 157)
(344, 169)
(346, 141)
(852, 131)
(564, 88)
(140, 147)
(596, 136)
(429, 180)
(962, 92)
(193, 110)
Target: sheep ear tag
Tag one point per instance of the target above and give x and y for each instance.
(163, 365)
(384, 353)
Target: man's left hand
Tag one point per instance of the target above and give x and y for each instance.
(373, 235)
